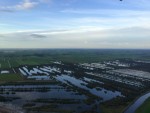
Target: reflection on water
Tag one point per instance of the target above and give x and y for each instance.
(64, 95)
(105, 94)
(31, 93)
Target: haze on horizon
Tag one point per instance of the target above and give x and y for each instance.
(75, 24)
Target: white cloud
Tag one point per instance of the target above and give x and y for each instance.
(109, 17)
(45, 1)
(134, 37)
(107, 12)
(24, 5)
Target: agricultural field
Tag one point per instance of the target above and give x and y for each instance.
(73, 81)
(10, 77)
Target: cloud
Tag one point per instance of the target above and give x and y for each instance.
(45, 1)
(130, 37)
(24, 5)
(106, 12)
(6, 10)
(38, 36)
(109, 17)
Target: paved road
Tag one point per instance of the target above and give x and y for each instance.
(133, 107)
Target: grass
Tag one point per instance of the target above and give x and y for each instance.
(3, 63)
(13, 62)
(10, 77)
(17, 61)
(45, 56)
(115, 105)
(116, 109)
(145, 108)
(31, 60)
(50, 108)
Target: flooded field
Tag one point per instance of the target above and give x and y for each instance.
(74, 88)
(42, 95)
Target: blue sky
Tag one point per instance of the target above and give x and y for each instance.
(74, 24)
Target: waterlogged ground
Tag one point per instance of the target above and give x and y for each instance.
(62, 97)
(75, 88)
(98, 91)
(39, 95)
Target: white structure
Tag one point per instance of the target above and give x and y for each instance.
(4, 72)
(39, 77)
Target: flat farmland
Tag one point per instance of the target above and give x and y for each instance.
(10, 77)
(90, 80)
(32, 60)
(4, 63)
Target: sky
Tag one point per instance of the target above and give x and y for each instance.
(75, 24)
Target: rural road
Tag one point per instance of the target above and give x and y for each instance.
(133, 107)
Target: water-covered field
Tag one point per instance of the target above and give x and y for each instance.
(66, 87)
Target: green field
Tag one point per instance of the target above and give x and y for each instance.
(145, 108)
(10, 77)
(110, 105)
(106, 109)
(3, 63)
(12, 61)
(18, 61)
(45, 56)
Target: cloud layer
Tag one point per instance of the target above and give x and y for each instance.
(75, 24)
(80, 38)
